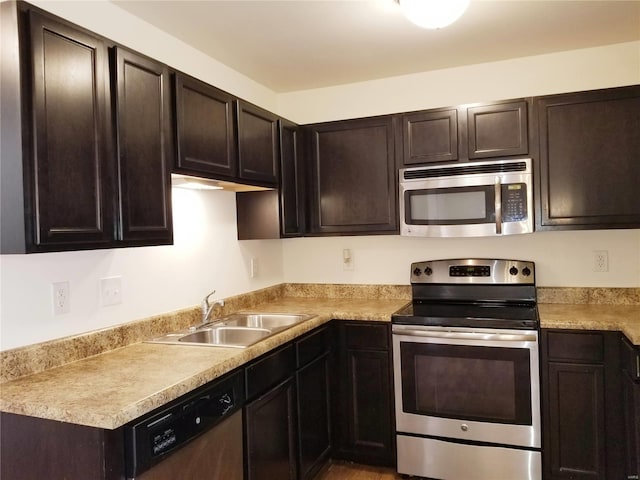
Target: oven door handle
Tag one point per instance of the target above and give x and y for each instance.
(494, 337)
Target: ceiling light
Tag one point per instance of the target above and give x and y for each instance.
(433, 13)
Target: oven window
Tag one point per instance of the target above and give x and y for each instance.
(487, 384)
(450, 206)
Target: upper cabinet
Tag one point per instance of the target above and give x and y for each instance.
(93, 170)
(205, 128)
(589, 159)
(257, 144)
(277, 213)
(68, 160)
(354, 177)
(145, 149)
(464, 133)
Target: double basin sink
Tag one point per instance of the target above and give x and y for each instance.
(239, 330)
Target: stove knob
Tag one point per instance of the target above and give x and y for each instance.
(526, 272)
(428, 271)
(513, 271)
(417, 272)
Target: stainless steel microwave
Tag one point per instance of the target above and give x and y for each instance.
(467, 199)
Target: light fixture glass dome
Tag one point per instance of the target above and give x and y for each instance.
(433, 13)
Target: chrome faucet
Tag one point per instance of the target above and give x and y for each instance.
(207, 308)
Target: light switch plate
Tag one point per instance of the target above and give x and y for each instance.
(110, 291)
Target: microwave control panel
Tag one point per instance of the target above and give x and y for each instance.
(514, 202)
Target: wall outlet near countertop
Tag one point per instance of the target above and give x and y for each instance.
(254, 267)
(110, 291)
(61, 297)
(600, 261)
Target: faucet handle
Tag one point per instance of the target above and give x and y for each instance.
(205, 301)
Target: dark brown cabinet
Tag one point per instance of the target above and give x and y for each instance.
(34, 448)
(97, 148)
(205, 129)
(354, 179)
(589, 169)
(363, 407)
(145, 148)
(582, 418)
(69, 168)
(257, 144)
(464, 133)
(277, 214)
(631, 388)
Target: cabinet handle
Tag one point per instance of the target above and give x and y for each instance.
(637, 366)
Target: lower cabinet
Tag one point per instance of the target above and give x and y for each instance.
(363, 405)
(631, 399)
(582, 416)
(287, 418)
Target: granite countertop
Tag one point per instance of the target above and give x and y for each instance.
(107, 390)
(113, 388)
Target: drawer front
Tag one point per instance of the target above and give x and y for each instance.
(312, 346)
(270, 370)
(367, 336)
(576, 346)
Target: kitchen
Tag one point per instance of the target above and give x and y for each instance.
(206, 254)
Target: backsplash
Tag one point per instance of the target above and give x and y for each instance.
(38, 357)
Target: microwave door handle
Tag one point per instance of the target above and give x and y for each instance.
(498, 197)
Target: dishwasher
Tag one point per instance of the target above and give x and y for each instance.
(196, 437)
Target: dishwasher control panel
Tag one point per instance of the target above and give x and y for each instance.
(154, 436)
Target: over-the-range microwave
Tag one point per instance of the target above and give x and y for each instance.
(467, 199)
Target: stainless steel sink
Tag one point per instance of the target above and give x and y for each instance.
(226, 335)
(238, 330)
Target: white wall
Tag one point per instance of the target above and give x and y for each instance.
(563, 259)
(206, 254)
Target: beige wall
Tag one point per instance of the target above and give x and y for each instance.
(206, 254)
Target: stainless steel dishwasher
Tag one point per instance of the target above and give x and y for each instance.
(196, 437)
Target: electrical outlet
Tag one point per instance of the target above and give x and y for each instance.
(347, 259)
(600, 261)
(61, 297)
(254, 267)
(110, 291)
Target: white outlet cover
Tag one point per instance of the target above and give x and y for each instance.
(61, 298)
(110, 291)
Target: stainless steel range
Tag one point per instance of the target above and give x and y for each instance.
(466, 377)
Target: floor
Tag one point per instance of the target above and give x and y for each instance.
(352, 471)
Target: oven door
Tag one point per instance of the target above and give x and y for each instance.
(477, 385)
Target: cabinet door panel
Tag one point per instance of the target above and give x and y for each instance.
(291, 180)
(430, 137)
(354, 177)
(145, 149)
(72, 198)
(576, 394)
(205, 129)
(270, 435)
(257, 144)
(589, 150)
(498, 130)
(313, 416)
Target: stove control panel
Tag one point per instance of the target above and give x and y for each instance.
(474, 271)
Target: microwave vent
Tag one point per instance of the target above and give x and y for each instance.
(466, 169)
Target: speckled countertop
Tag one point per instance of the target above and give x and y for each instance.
(102, 382)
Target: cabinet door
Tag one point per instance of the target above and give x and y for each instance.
(498, 130)
(205, 129)
(270, 434)
(363, 406)
(291, 180)
(589, 150)
(576, 418)
(145, 149)
(72, 201)
(430, 136)
(257, 144)
(354, 177)
(314, 424)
